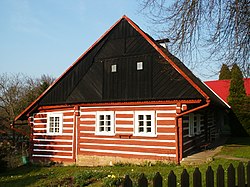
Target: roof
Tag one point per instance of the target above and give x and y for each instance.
(221, 87)
(89, 79)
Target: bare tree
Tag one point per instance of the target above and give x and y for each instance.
(17, 91)
(220, 27)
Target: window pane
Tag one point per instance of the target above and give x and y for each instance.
(140, 117)
(101, 117)
(141, 129)
(108, 123)
(148, 129)
(101, 123)
(108, 117)
(50, 129)
(148, 117)
(56, 129)
(108, 129)
(141, 123)
(148, 123)
(101, 129)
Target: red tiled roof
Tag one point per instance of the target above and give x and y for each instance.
(221, 87)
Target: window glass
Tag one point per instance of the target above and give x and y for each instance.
(144, 123)
(139, 65)
(105, 123)
(54, 124)
(113, 68)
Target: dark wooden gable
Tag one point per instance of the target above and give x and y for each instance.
(91, 79)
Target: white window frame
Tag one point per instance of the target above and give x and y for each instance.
(55, 115)
(113, 68)
(139, 65)
(136, 123)
(192, 129)
(112, 125)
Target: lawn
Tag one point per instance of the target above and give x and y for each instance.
(34, 175)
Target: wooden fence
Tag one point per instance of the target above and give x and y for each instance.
(241, 180)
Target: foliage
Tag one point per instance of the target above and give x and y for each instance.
(112, 181)
(225, 72)
(17, 91)
(10, 157)
(237, 90)
(239, 102)
(219, 27)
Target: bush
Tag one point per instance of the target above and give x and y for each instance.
(4, 148)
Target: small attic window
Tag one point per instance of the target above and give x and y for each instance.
(113, 68)
(139, 65)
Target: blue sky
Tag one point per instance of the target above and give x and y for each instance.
(46, 37)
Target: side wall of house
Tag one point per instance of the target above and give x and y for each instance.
(124, 143)
(55, 147)
(208, 132)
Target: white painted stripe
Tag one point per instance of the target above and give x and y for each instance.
(67, 128)
(45, 134)
(166, 118)
(68, 117)
(124, 112)
(128, 153)
(166, 111)
(166, 133)
(186, 135)
(166, 126)
(143, 140)
(122, 145)
(185, 143)
(51, 156)
(188, 149)
(39, 123)
(185, 121)
(39, 118)
(58, 111)
(53, 151)
(68, 123)
(185, 128)
(37, 129)
(124, 119)
(87, 132)
(87, 119)
(133, 106)
(49, 145)
(87, 125)
(125, 126)
(87, 113)
(52, 140)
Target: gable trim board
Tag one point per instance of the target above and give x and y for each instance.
(79, 118)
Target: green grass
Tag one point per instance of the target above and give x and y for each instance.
(98, 176)
(237, 147)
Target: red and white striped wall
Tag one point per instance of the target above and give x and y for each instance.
(53, 147)
(124, 143)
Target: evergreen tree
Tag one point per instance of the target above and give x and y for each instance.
(225, 72)
(237, 90)
(239, 102)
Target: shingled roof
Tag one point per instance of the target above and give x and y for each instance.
(89, 79)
